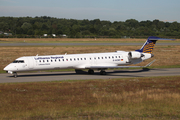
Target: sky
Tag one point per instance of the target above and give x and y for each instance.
(110, 10)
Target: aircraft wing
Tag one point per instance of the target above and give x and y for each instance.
(106, 67)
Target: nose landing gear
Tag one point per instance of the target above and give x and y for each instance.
(15, 75)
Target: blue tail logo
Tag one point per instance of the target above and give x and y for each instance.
(148, 47)
(150, 43)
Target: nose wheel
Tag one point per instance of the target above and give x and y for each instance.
(15, 75)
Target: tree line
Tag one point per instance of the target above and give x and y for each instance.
(38, 26)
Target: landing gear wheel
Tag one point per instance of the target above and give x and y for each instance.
(15, 75)
(78, 71)
(103, 72)
(91, 71)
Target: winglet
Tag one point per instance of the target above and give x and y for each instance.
(149, 64)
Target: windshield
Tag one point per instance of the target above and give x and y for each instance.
(18, 61)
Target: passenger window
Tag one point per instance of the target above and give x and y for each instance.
(112, 56)
(47, 61)
(39, 60)
(84, 58)
(74, 59)
(81, 58)
(119, 56)
(51, 60)
(66, 59)
(59, 60)
(43, 61)
(98, 57)
(77, 58)
(116, 56)
(95, 58)
(109, 57)
(63, 59)
(102, 57)
(105, 57)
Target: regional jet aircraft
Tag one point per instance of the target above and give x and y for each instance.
(90, 61)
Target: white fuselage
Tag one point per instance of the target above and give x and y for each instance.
(91, 61)
(75, 61)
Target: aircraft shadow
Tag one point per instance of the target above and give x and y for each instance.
(44, 74)
(131, 71)
(108, 73)
(113, 73)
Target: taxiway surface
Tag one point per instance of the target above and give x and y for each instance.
(59, 76)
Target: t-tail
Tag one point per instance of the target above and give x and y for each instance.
(149, 44)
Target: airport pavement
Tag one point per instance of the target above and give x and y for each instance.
(59, 76)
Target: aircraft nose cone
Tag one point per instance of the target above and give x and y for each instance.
(6, 68)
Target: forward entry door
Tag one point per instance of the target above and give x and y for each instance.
(30, 62)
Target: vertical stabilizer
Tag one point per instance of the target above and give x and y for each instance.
(149, 44)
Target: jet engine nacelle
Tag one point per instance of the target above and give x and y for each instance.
(135, 55)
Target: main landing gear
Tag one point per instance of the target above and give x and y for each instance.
(91, 71)
(102, 72)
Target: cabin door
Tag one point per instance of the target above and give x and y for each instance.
(30, 62)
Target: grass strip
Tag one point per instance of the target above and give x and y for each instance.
(122, 98)
(76, 40)
(166, 56)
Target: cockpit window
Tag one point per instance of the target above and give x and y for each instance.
(18, 61)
